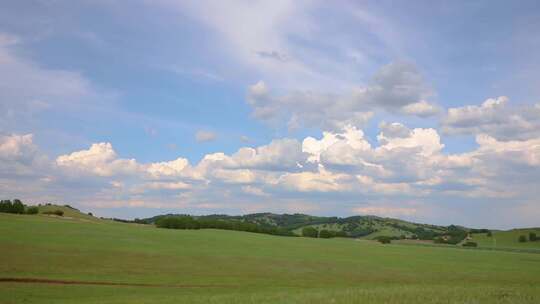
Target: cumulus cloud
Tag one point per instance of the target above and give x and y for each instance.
(494, 117)
(205, 136)
(404, 165)
(280, 154)
(19, 156)
(391, 130)
(99, 159)
(320, 181)
(396, 159)
(16, 147)
(397, 87)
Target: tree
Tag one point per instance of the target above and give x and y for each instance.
(532, 236)
(310, 232)
(325, 234)
(522, 239)
(6, 206)
(489, 234)
(17, 207)
(32, 210)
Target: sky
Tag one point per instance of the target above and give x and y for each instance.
(426, 111)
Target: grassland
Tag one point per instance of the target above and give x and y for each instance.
(507, 239)
(214, 266)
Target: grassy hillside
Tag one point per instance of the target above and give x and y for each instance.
(69, 212)
(368, 227)
(507, 239)
(151, 265)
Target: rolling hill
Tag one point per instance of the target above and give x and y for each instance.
(368, 227)
(51, 259)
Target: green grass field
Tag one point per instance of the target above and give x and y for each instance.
(507, 239)
(215, 266)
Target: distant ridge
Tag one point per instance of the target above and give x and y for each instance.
(358, 226)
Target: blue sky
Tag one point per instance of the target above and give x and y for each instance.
(426, 110)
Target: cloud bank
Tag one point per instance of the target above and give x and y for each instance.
(406, 165)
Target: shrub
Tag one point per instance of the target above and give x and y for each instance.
(439, 240)
(489, 234)
(522, 239)
(90, 213)
(384, 239)
(470, 244)
(310, 232)
(532, 236)
(32, 210)
(55, 212)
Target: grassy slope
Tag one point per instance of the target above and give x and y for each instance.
(68, 212)
(262, 268)
(296, 222)
(507, 239)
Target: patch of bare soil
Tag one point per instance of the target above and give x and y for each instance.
(73, 282)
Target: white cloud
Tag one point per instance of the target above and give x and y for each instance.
(321, 181)
(426, 140)
(16, 147)
(280, 154)
(526, 152)
(496, 118)
(351, 136)
(167, 186)
(405, 165)
(168, 169)
(19, 156)
(99, 159)
(396, 87)
(391, 130)
(240, 176)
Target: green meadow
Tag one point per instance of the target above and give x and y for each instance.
(507, 239)
(142, 264)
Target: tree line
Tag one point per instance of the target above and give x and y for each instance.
(323, 234)
(17, 207)
(189, 222)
